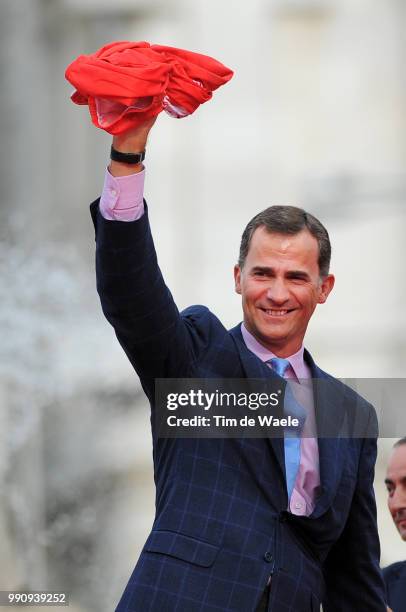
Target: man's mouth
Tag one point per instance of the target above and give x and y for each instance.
(272, 312)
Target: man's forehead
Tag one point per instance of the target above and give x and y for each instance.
(302, 244)
(397, 463)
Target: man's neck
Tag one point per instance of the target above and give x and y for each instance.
(273, 349)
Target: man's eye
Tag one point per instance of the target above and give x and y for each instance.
(259, 273)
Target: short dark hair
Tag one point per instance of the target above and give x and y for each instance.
(399, 442)
(288, 220)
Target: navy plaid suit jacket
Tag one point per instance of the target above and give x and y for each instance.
(395, 581)
(221, 527)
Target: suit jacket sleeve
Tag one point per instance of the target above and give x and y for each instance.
(353, 576)
(158, 341)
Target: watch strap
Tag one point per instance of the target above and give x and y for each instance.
(126, 158)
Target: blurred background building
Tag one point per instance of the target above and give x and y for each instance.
(314, 116)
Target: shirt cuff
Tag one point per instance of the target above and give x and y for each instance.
(122, 198)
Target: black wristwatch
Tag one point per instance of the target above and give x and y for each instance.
(126, 158)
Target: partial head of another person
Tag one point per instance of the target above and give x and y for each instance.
(396, 486)
(281, 275)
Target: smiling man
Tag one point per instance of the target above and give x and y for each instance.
(282, 275)
(395, 574)
(242, 525)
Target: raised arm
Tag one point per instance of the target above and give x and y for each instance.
(134, 297)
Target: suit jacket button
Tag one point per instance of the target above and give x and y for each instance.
(268, 557)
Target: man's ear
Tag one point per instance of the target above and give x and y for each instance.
(237, 279)
(327, 285)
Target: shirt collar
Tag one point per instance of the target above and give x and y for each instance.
(296, 360)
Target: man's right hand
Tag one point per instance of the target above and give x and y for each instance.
(132, 141)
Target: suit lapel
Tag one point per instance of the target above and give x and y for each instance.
(332, 428)
(329, 404)
(256, 369)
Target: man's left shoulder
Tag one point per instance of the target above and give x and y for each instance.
(361, 415)
(394, 576)
(394, 571)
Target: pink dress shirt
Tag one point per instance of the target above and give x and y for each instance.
(122, 200)
(307, 484)
(122, 197)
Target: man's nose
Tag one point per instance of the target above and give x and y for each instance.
(277, 292)
(398, 500)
